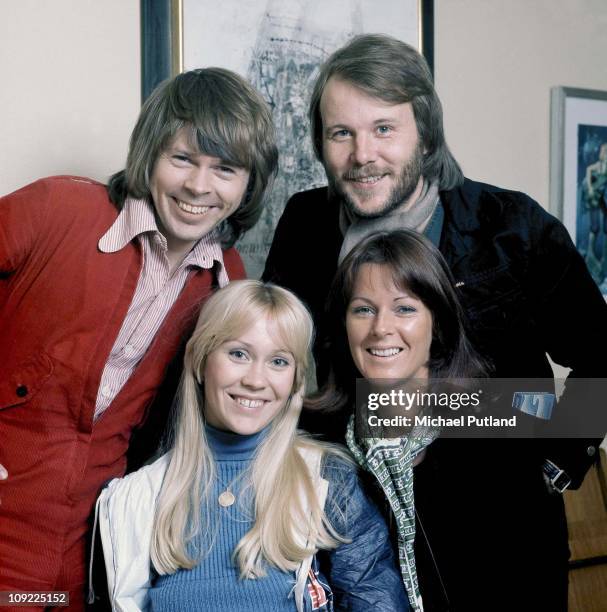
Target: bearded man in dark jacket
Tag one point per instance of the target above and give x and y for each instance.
(491, 531)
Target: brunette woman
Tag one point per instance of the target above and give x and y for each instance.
(395, 314)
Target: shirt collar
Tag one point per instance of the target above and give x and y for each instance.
(137, 219)
(205, 253)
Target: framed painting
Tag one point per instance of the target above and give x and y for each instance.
(277, 45)
(578, 172)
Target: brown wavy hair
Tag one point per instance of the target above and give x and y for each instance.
(417, 266)
(390, 70)
(226, 118)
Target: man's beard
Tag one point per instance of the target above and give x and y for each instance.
(401, 192)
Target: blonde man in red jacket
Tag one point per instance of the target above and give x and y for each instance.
(99, 286)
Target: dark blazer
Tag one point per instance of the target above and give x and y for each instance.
(498, 536)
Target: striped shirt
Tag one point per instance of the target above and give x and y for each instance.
(157, 290)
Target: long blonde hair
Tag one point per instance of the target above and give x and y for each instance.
(286, 505)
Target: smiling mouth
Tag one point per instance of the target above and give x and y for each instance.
(367, 180)
(385, 352)
(195, 210)
(248, 402)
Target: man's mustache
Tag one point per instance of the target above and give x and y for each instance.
(355, 174)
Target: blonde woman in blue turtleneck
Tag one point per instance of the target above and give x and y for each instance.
(244, 512)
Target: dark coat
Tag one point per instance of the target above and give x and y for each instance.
(498, 536)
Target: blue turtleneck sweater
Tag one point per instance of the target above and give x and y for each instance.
(214, 584)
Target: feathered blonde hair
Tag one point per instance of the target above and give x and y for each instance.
(287, 509)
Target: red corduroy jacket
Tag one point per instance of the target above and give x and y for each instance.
(62, 303)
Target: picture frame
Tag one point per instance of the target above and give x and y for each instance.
(270, 42)
(578, 172)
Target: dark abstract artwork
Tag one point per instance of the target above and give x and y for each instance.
(283, 66)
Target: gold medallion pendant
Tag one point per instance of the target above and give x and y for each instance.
(226, 498)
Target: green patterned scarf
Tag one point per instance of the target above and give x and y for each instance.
(391, 462)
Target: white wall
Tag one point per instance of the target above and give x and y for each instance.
(495, 63)
(69, 87)
(69, 93)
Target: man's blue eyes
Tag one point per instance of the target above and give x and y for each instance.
(181, 158)
(383, 130)
(184, 159)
